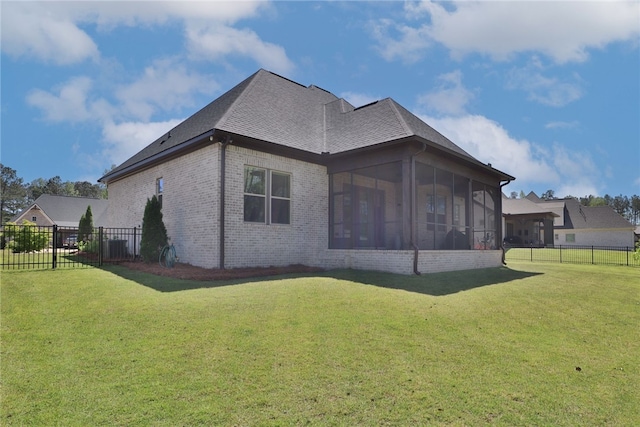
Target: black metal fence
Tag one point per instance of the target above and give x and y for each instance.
(603, 255)
(50, 247)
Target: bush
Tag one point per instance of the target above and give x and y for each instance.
(85, 227)
(90, 247)
(154, 233)
(26, 237)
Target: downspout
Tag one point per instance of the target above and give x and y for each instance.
(504, 259)
(223, 167)
(413, 209)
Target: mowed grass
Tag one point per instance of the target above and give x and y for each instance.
(531, 344)
(573, 255)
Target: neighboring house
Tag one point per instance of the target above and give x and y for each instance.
(63, 211)
(573, 224)
(275, 173)
(527, 223)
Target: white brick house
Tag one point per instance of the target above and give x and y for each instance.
(276, 173)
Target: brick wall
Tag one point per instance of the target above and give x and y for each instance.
(189, 203)
(401, 262)
(300, 242)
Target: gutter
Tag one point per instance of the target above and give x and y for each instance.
(504, 259)
(413, 209)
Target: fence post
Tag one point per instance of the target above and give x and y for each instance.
(100, 247)
(627, 250)
(134, 243)
(54, 258)
(560, 254)
(592, 259)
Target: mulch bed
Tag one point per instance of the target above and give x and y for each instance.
(190, 272)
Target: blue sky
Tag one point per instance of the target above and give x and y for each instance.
(546, 91)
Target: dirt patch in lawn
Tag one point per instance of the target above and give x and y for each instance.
(190, 272)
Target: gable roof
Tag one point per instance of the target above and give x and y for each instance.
(582, 217)
(271, 108)
(66, 211)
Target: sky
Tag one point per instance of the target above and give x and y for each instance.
(546, 91)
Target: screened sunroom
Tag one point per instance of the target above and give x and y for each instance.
(422, 202)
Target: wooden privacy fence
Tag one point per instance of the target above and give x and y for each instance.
(51, 247)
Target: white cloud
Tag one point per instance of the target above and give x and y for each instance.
(69, 104)
(31, 29)
(358, 99)
(572, 172)
(123, 140)
(564, 31)
(562, 125)
(408, 44)
(450, 97)
(580, 173)
(166, 85)
(489, 142)
(51, 31)
(545, 90)
(216, 41)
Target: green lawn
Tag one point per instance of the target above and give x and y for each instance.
(532, 344)
(571, 255)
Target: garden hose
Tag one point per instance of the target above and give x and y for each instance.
(168, 256)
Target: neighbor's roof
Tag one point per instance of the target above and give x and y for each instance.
(524, 207)
(66, 211)
(268, 107)
(578, 216)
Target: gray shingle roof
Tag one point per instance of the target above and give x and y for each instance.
(66, 211)
(581, 217)
(274, 109)
(523, 207)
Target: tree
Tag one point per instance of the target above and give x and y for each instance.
(27, 237)
(87, 189)
(621, 204)
(513, 195)
(13, 193)
(635, 209)
(548, 195)
(154, 233)
(85, 227)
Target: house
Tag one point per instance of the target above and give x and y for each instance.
(526, 223)
(63, 211)
(573, 224)
(274, 173)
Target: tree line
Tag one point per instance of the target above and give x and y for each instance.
(627, 207)
(16, 195)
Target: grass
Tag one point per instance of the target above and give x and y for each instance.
(497, 346)
(572, 255)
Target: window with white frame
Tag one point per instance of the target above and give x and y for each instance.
(267, 196)
(159, 189)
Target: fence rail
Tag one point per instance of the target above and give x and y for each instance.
(603, 255)
(51, 247)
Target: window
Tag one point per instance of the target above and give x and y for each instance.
(34, 218)
(159, 189)
(570, 237)
(267, 192)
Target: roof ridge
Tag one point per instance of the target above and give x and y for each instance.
(401, 119)
(252, 81)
